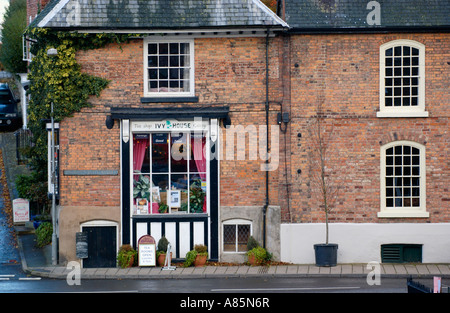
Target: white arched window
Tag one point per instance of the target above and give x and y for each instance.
(402, 79)
(235, 235)
(402, 181)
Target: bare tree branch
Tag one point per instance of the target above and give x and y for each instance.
(323, 180)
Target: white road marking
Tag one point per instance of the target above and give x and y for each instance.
(283, 289)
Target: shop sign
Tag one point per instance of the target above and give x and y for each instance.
(21, 210)
(170, 125)
(147, 251)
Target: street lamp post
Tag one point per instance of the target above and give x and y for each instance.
(53, 52)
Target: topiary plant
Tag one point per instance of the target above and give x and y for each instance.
(162, 246)
(44, 234)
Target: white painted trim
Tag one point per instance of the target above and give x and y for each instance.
(388, 212)
(403, 111)
(191, 42)
(398, 113)
(403, 214)
(98, 223)
(270, 13)
(191, 33)
(235, 222)
(103, 223)
(52, 13)
(204, 129)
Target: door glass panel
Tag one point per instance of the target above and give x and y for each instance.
(179, 196)
(160, 153)
(169, 173)
(179, 152)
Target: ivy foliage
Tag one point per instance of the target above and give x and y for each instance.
(59, 80)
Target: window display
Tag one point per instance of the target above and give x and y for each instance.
(169, 173)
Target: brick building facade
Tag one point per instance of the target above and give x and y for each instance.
(217, 77)
(357, 70)
(334, 58)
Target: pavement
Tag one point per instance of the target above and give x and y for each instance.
(37, 262)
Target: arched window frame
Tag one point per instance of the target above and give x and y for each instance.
(403, 211)
(236, 223)
(402, 111)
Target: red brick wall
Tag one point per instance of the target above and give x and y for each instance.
(228, 71)
(342, 73)
(34, 7)
(339, 71)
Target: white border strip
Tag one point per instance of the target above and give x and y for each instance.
(52, 13)
(270, 13)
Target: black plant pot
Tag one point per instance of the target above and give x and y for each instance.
(326, 254)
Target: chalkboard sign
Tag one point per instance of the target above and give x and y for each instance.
(81, 245)
(147, 251)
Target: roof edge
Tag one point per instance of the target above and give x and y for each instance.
(388, 29)
(52, 13)
(278, 19)
(43, 21)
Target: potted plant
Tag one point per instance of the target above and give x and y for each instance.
(161, 251)
(126, 256)
(326, 189)
(198, 256)
(163, 207)
(39, 219)
(141, 187)
(256, 254)
(196, 197)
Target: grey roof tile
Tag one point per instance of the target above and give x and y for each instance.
(155, 14)
(335, 14)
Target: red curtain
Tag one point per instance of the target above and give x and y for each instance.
(139, 148)
(198, 148)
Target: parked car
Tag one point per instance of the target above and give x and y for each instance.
(10, 117)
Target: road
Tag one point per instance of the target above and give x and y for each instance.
(25, 284)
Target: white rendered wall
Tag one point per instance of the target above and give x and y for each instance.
(361, 243)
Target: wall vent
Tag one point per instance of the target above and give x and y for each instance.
(401, 253)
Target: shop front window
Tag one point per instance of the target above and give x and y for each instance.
(169, 173)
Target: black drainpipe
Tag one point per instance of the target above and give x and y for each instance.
(266, 205)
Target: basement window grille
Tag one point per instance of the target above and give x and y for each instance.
(401, 253)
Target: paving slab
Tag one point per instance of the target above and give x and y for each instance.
(292, 269)
(255, 270)
(411, 269)
(346, 269)
(422, 269)
(232, 270)
(433, 269)
(400, 269)
(312, 269)
(336, 270)
(388, 269)
(444, 269)
(303, 269)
